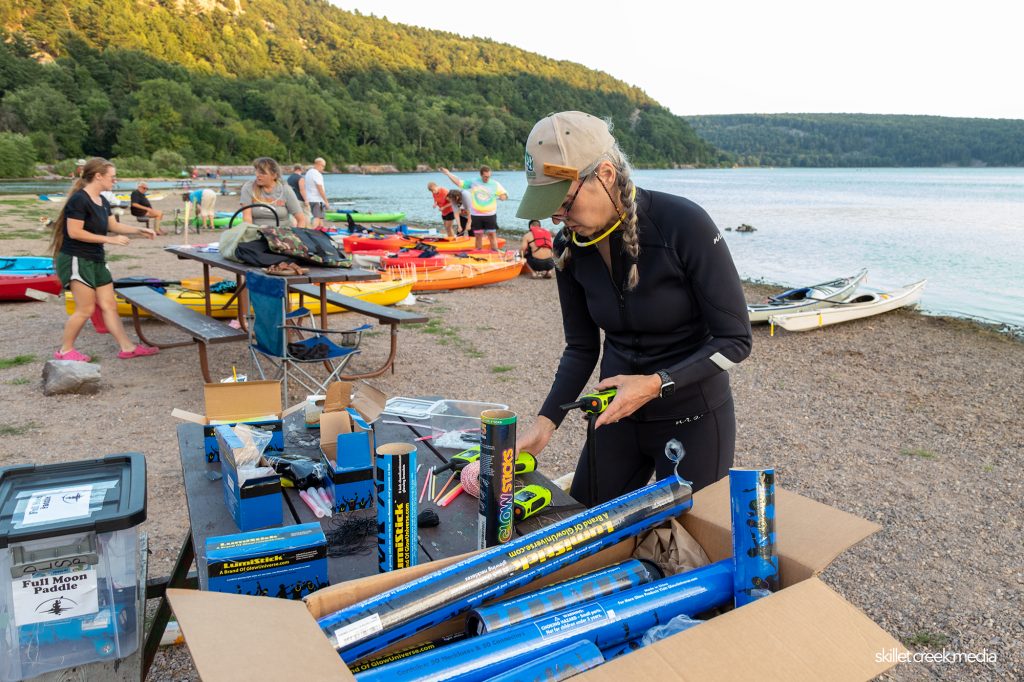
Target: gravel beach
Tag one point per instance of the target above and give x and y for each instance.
(910, 421)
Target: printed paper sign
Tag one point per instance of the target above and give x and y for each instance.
(50, 596)
(58, 504)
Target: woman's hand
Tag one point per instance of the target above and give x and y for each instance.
(119, 240)
(536, 437)
(633, 391)
(146, 232)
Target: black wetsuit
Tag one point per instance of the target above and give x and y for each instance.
(687, 316)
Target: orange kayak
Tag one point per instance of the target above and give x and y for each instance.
(467, 273)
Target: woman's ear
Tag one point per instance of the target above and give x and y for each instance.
(606, 173)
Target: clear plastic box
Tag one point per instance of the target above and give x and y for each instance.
(456, 423)
(69, 563)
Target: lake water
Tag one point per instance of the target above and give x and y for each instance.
(962, 229)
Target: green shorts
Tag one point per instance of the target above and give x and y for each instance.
(92, 274)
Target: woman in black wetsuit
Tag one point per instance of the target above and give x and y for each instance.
(652, 271)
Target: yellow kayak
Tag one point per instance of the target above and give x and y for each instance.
(381, 292)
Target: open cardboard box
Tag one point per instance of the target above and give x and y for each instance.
(243, 401)
(805, 631)
(347, 443)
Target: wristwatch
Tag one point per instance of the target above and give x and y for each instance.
(668, 387)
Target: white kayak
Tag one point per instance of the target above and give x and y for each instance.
(864, 305)
(806, 298)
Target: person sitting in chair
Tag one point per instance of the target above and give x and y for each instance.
(141, 208)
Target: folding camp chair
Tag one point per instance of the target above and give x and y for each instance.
(268, 338)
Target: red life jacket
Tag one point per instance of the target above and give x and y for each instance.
(541, 238)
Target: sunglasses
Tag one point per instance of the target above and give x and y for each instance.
(566, 207)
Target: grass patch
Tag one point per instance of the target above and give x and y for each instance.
(20, 430)
(447, 335)
(114, 257)
(23, 234)
(19, 382)
(919, 453)
(500, 369)
(19, 202)
(927, 639)
(16, 361)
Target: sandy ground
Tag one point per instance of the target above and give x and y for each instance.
(910, 421)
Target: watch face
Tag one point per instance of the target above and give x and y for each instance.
(668, 386)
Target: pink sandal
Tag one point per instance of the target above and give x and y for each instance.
(72, 354)
(140, 351)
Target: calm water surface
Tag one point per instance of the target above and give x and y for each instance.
(962, 229)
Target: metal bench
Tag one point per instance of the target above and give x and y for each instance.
(382, 314)
(203, 330)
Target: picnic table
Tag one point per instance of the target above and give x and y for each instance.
(316, 275)
(209, 517)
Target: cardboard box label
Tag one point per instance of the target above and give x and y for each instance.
(571, 620)
(370, 625)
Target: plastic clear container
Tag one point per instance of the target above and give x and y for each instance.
(456, 423)
(69, 563)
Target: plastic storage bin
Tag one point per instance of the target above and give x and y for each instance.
(456, 423)
(69, 563)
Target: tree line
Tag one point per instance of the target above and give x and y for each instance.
(162, 85)
(850, 140)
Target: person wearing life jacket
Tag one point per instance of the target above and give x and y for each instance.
(443, 204)
(536, 249)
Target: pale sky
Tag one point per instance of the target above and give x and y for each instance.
(891, 57)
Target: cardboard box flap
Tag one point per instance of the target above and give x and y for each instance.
(187, 416)
(810, 631)
(368, 401)
(241, 400)
(339, 395)
(810, 535)
(234, 637)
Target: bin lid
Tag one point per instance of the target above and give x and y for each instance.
(49, 500)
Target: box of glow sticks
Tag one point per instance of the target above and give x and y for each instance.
(287, 563)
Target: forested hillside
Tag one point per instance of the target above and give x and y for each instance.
(221, 82)
(826, 140)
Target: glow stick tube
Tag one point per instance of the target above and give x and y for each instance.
(393, 615)
(433, 479)
(445, 487)
(752, 499)
(615, 578)
(328, 505)
(456, 491)
(377, 661)
(556, 666)
(313, 506)
(605, 621)
(426, 484)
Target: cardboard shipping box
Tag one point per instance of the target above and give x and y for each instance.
(805, 631)
(253, 402)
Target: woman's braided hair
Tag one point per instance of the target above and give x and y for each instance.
(630, 227)
(92, 168)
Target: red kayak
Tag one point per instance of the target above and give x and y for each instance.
(359, 243)
(12, 287)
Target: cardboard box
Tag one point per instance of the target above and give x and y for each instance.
(806, 631)
(287, 563)
(255, 502)
(233, 403)
(347, 443)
